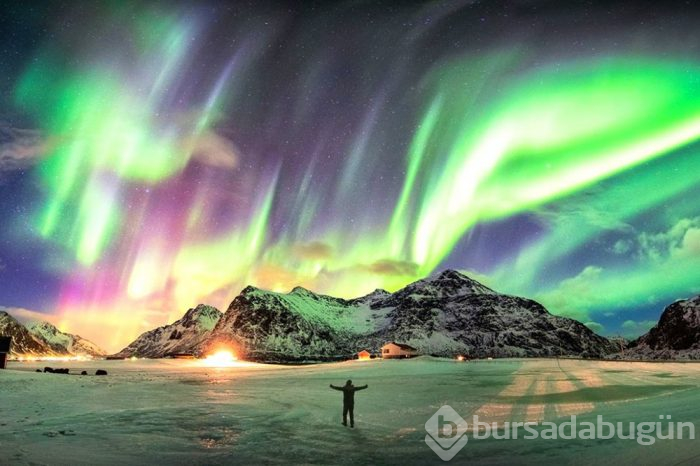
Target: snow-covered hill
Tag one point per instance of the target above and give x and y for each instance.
(182, 336)
(44, 339)
(23, 341)
(270, 326)
(676, 336)
(444, 315)
(64, 343)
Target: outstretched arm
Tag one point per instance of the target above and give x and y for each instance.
(336, 388)
(361, 388)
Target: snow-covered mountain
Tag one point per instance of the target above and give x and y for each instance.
(269, 326)
(43, 339)
(676, 336)
(23, 341)
(444, 315)
(64, 343)
(182, 336)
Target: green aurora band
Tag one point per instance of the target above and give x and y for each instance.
(99, 127)
(550, 135)
(476, 156)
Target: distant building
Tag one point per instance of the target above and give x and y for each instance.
(364, 355)
(393, 350)
(5, 344)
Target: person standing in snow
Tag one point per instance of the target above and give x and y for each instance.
(348, 400)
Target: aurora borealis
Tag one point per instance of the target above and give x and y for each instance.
(158, 155)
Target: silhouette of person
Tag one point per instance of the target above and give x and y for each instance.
(348, 400)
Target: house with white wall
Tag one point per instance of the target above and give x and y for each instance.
(393, 350)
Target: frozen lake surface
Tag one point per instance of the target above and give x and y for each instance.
(182, 412)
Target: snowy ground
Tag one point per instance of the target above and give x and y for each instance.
(179, 412)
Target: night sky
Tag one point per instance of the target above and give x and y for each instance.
(158, 155)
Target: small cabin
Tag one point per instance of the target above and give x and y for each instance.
(364, 355)
(5, 345)
(393, 350)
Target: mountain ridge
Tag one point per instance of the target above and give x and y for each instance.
(185, 335)
(675, 336)
(446, 314)
(40, 338)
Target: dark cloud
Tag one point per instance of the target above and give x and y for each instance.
(393, 267)
(19, 148)
(596, 327)
(215, 150)
(581, 210)
(681, 240)
(635, 328)
(315, 250)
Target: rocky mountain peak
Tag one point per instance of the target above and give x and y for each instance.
(40, 338)
(42, 325)
(453, 277)
(675, 336)
(185, 335)
(300, 290)
(201, 310)
(449, 283)
(451, 274)
(378, 293)
(678, 328)
(249, 289)
(202, 315)
(446, 314)
(49, 332)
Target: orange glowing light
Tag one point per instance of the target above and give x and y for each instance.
(221, 358)
(31, 358)
(460, 358)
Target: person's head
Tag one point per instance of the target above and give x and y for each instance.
(348, 383)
